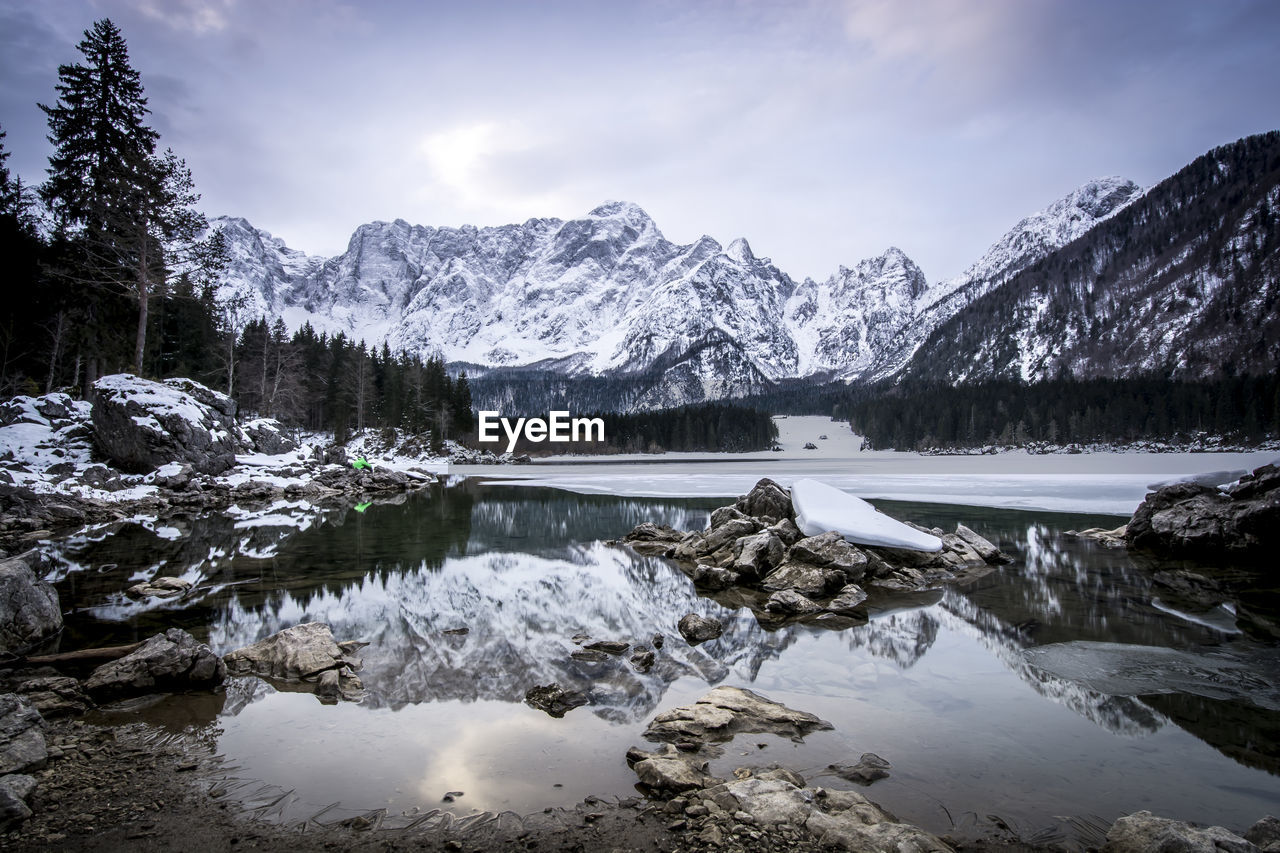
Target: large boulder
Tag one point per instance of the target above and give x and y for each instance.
(22, 744)
(29, 610)
(1196, 520)
(269, 436)
(15, 790)
(174, 660)
(306, 653)
(766, 499)
(1143, 832)
(141, 425)
(830, 550)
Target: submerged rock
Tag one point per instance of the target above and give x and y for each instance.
(303, 653)
(870, 768)
(159, 588)
(728, 711)
(29, 609)
(1143, 832)
(554, 699)
(669, 770)
(698, 629)
(174, 660)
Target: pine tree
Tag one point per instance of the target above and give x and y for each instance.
(127, 213)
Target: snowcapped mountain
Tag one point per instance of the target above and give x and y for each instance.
(1183, 281)
(607, 294)
(1033, 238)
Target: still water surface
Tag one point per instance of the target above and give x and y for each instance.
(934, 682)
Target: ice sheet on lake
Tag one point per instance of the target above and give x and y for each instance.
(1117, 669)
(1100, 483)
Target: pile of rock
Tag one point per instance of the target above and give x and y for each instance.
(776, 801)
(1198, 520)
(755, 543)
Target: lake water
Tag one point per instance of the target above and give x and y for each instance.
(933, 682)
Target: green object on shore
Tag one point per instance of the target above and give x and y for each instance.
(360, 463)
(362, 507)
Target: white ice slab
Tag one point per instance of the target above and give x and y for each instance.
(820, 508)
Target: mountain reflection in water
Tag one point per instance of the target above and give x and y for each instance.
(524, 570)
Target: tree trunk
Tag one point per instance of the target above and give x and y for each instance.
(102, 654)
(144, 294)
(58, 326)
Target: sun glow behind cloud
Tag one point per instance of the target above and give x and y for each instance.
(823, 131)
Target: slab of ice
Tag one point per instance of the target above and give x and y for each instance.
(820, 508)
(1219, 672)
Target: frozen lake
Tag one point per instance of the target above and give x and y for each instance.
(1108, 483)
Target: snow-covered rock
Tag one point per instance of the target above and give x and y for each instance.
(141, 425)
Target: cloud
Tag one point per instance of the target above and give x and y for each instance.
(200, 17)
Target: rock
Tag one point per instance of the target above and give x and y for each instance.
(847, 600)
(141, 425)
(726, 514)
(870, 768)
(653, 539)
(99, 476)
(174, 660)
(269, 436)
(758, 554)
(809, 580)
(984, 548)
(790, 602)
(589, 655)
(787, 531)
(698, 629)
(22, 744)
(301, 653)
(1143, 832)
(714, 577)
(55, 696)
(1190, 588)
(830, 550)
(159, 588)
(669, 770)
(553, 699)
(728, 711)
(1265, 834)
(721, 539)
(766, 499)
(642, 659)
(609, 647)
(1106, 538)
(1198, 521)
(842, 819)
(809, 445)
(15, 790)
(29, 609)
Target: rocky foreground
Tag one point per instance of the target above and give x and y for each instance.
(161, 448)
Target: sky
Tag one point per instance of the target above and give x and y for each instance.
(822, 131)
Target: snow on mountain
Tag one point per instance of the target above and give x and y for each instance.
(1030, 240)
(608, 294)
(1181, 281)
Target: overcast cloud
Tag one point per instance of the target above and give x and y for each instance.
(823, 132)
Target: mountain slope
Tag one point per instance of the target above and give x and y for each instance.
(1183, 282)
(1030, 240)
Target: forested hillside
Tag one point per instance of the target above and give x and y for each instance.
(1183, 283)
